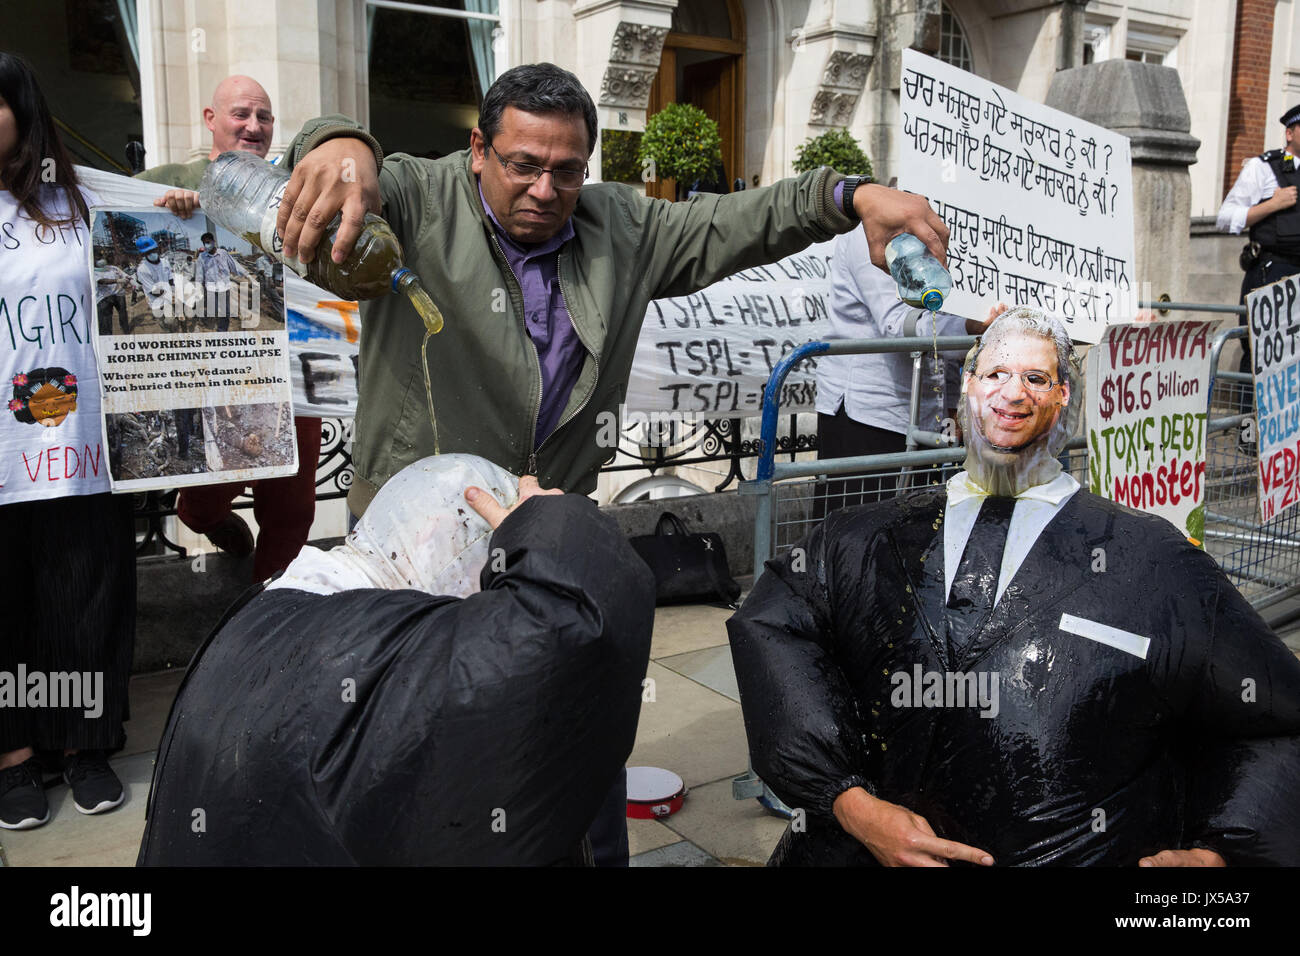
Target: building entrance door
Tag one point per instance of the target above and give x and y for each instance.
(703, 64)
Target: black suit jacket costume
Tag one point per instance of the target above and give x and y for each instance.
(1166, 748)
(481, 731)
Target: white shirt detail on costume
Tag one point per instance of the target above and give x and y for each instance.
(47, 320)
(1255, 184)
(1115, 637)
(1035, 507)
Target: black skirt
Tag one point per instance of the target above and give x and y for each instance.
(68, 567)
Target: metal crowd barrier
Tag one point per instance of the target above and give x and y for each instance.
(1261, 560)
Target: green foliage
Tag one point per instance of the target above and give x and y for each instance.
(683, 143)
(1196, 525)
(837, 149)
(618, 156)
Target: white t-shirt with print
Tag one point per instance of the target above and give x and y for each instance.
(47, 320)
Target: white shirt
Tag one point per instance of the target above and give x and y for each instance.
(875, 389)
(214, 270)
(109, 280)
(47, 320)
(1255, 184)
(1035, 507)
(154, 279)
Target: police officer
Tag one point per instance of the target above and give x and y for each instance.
(1263, 200)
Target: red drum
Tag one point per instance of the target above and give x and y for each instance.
(653, 793)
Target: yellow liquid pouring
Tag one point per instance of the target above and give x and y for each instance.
(432, 317)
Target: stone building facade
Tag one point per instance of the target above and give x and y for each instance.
(772, 72)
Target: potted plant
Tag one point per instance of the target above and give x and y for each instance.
(680, 143)
(835, 148)
(618, 156)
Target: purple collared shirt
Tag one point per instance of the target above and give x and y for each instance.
(559, 350)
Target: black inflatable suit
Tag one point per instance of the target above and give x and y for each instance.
(479, 731)
(1197, 745)
(1141, 704)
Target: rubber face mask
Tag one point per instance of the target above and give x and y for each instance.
(418, 533)
(1015, 413)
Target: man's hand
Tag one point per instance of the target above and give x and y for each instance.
(895, 835)
(974, 327)
(1183, 858)
(338, 175)
(887, 212)
(491, 510)
(1283, 198)
(181, 202)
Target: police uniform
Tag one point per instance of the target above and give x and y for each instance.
(1274, 249)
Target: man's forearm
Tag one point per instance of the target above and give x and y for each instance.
(1257, 212)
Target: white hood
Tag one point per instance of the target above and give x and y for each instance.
(419, 532)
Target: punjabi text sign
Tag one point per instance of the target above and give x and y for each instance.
(1039, 203)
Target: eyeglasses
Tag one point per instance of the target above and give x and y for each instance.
(1034, 380)
(527, 174)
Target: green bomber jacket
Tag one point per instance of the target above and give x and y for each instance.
(485, 375)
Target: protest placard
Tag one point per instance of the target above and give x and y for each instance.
(1275, 349)
(1039, 204)
(194, 372)
(709, 354)
(323, 330)
(1146, 413)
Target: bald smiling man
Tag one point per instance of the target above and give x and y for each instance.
(240, 118)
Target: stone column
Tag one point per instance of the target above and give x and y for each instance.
(620, 46)
(903, 24)
(1145, 102)
(309, 54)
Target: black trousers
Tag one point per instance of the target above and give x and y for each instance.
(217, 308)
(839, 436)
(106, 307)
(68, 566)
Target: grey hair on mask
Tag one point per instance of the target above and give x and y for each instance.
(1028, 321)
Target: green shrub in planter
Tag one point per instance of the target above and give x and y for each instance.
(837, 149)
(682, 142)
(618, 156)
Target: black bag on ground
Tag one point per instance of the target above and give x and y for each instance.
(689, 567)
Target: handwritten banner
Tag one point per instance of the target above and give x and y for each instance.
(1147, 398)
(1039, 203)
(1275, 348)
(709, 354)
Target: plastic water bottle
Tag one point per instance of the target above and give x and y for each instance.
(922, 282)
(242, 193)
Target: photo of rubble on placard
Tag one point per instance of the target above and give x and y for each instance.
(245, 437)
(154, 444)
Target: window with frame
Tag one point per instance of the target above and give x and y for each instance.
(953, 46)
(1148, 47)
(1096, 43)
(430, 62)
